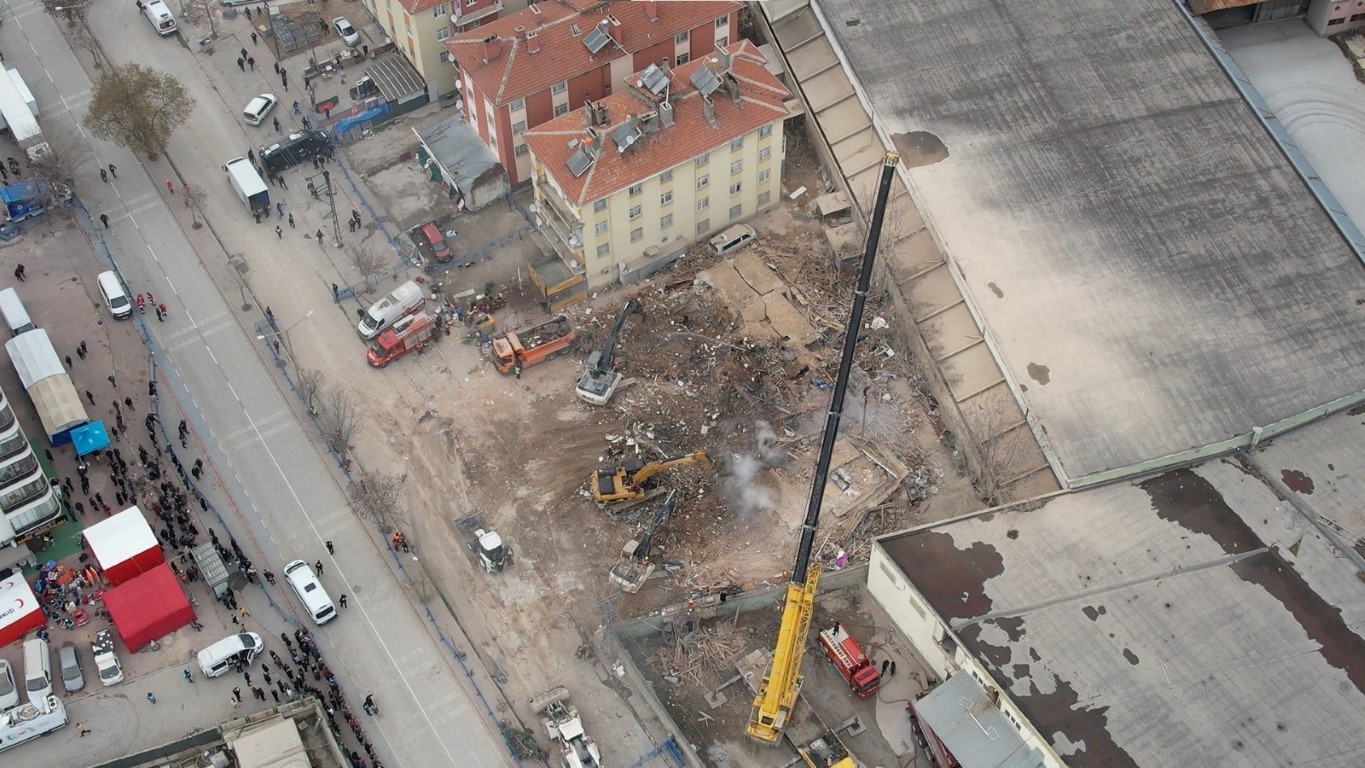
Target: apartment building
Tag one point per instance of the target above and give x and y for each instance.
(420, 29)
(28, 502)
(625, 184)
(540, 63)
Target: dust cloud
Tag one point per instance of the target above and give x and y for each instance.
(747, 497)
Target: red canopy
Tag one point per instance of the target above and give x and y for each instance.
(19, 609)
(148, 607)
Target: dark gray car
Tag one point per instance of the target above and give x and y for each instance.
(69, 659)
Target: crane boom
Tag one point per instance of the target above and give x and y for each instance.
(780, 687)
(603, 356)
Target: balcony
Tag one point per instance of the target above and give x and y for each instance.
(463, 17)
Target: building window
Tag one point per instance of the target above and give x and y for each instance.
(470, 3)
(703, 181)
(519, 127)
(560, 87)
(723, 41)
(443, 33)
(517, 104)
(765, 131)
(722, 21)
(637, 234)
(704, 158)
(561, 109)
(521, 150)
(680, 38)
(439, 11)
(734, 188)
(764, 175)
(703, 203)
(765, 153)
(666, 176)
(735, 211)
(764, 198)
(666, 198)
(601, 228)
(666, 222)
(737, 144)
(683, 58)
(600, 205)
(736, 167)
(635, 189)
(604, 249)
(703, 226)
(635, 212)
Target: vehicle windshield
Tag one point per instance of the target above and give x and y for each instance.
(37, 684)
(110, 671)
(370, 322)
(118, 302)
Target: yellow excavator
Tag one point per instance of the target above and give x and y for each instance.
(627, 482)
(781, 686)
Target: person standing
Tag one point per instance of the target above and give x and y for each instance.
(170, 188)
(342, 600)
(318, 566)
(330, 549)
(104, 176)
(291, 221)
(113, 171)
(279, 233)
(104, 219)
(151, 697)
(19, 273)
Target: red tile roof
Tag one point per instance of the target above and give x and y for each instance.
(760, 103)
(513, 73)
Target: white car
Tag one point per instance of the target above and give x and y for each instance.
(106, 660)
(9, 692)
(255, 111)
(346, 31)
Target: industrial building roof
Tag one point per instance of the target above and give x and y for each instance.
(563, 36)
(632, 147)
(1190, 618)
(1151, 271)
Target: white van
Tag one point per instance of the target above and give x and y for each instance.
(258, 108)
(223, 655)
(306, 585)
(16, 317)
(160, 16)
(732, 239)
(37, 671)
(403, 300)
(115, 298)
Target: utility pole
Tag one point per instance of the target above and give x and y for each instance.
(332, 201)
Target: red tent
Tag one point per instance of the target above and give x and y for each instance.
(149, 607)
(19, 609)
(124, 545)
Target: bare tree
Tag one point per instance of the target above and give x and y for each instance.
(339, 418)
(1004, 447)
(208, 9)
(194, 200)
(309, 383)
(53, 169)
(366, 261)
(375, 496)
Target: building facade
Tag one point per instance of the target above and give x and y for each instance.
(420, 29)
(540, 63)
(28, 501)
(625, 184)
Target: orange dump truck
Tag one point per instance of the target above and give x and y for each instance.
(533, 345)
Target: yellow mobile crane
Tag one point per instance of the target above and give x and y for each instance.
(778, 692)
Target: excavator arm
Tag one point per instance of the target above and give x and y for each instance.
(655, 467)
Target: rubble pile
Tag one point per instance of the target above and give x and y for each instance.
(708, 650)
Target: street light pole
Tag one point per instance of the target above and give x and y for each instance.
(284, 334)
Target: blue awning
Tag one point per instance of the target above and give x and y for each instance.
(89, 438)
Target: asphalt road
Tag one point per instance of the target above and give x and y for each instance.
(288, 500)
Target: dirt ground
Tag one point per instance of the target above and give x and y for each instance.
(699, 375)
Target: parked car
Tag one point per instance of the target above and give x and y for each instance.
(69, 659)
(106, 660)
(255, 111)
(732, 239)
(346, 31)
(9, 692)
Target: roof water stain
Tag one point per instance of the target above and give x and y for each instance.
(1130, 656)
(1297, 481)
(953, 579)
(995, 289)
(1192, 502)
(1340, 646)
(1039, 373)
(1094, 612)
(919, 148)
(1013, 627)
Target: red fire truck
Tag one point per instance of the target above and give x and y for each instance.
(848, 657)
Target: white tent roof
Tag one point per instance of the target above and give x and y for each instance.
(16, 600)
(58, 404)
(34, 357)
(120, 537)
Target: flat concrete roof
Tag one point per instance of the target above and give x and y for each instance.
(1155, 276)
(1192, 618)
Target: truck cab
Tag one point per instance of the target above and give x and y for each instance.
(410, 333)
(853, 664)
